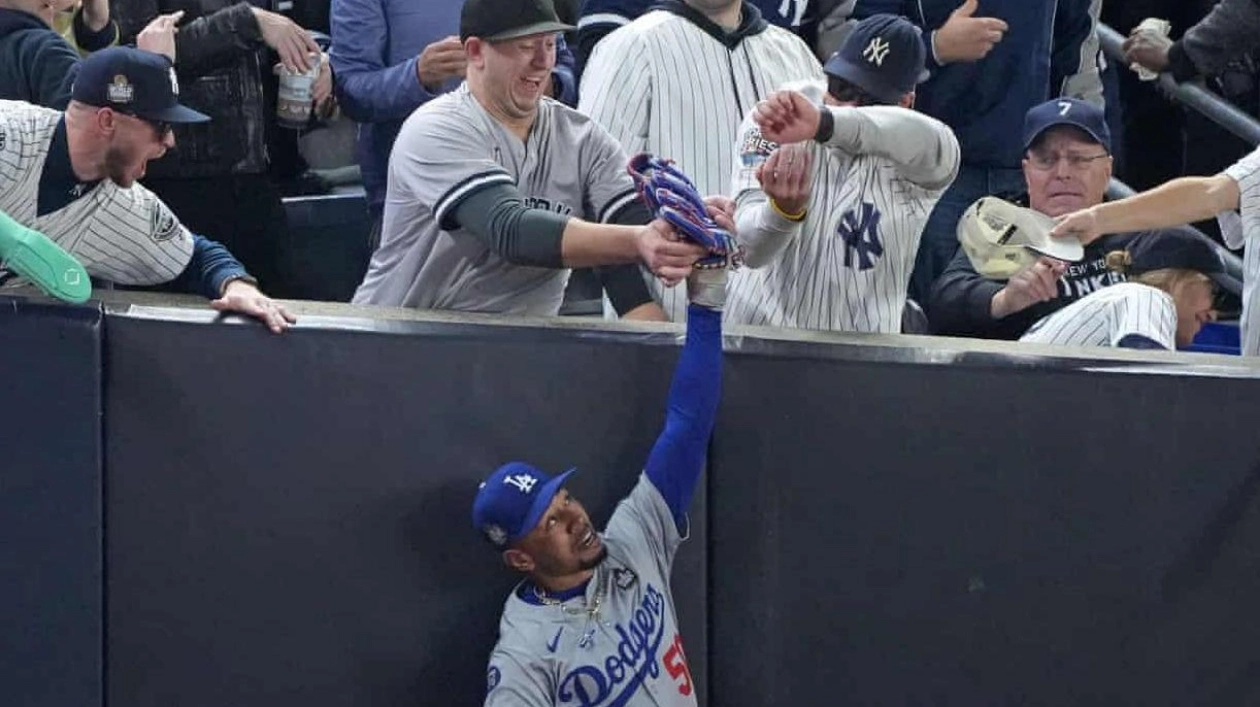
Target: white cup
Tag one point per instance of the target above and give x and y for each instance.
(294, 99)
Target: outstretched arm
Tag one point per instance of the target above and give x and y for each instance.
(677, 459)
(1180, 201)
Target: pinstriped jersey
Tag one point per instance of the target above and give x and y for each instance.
(450, 148)
(126, 236)
(629, 653)
(1247, 173)
(848, 265)
(663, 84)
(1109, 315)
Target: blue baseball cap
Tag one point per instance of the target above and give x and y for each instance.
(512, 501)
(1172, 249)
(883, 55)
(1066, 111)
(134, 82)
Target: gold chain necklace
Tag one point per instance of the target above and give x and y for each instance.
(592, 610)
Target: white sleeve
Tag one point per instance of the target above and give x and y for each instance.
(923, 148)
(760, 231)
(132, 238)
(616, 89)
(1148, 312)
(1246, 173)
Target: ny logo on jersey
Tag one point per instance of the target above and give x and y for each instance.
(861, 236)
(876, 51)
(523, 482)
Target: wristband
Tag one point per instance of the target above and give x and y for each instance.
(826, 125)
(794, 218)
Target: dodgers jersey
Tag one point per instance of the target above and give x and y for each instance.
(126, 236)
(632, 654)
(448, 149)
(665, 85)
(1108, 315)
(1247, 173)
(847, 266)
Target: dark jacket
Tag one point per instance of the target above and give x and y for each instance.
(1050, 50)
(1230, 30)
(220, 60)
(960, 301)
(36, 64)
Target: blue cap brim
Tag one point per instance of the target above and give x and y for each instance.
(178, 114)
(867, 80)
(541, 502)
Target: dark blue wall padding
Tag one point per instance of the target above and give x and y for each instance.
(893, 533)
(289, 516)
(50, 505)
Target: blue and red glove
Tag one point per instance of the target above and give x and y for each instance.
(673, 197)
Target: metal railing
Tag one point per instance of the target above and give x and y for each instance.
(1211, 106)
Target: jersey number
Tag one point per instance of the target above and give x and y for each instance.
(676, 664)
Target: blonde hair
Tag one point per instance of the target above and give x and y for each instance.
(1170, 280)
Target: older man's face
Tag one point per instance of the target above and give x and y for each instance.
(1066, 170)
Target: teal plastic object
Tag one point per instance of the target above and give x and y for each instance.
(36, 257)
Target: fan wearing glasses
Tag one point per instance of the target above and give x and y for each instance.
(1067, 166)
(73, 177)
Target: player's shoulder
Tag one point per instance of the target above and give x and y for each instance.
(1134, 290)
(26, 119)
(450, 116)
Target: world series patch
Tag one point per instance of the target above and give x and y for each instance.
(755, 149)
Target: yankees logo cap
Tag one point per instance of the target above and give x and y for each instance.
(512, 501)
(496, 20)
(134, 82)
(1000, 238)
(1066, 111)
(883, 55)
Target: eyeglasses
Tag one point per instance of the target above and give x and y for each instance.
(162, 127)
(1075, 162)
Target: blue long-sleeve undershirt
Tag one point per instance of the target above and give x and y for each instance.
(209, 269)
(677, 458)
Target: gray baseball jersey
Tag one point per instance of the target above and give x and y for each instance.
(1247, 173)
(629, 652)
(125, 236)
(448, 149)
(664, 85)
(1108, 315)
(847, 266)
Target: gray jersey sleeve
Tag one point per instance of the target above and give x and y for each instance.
(644, 526)
(439, 159)
(609, 188)
(513, 683)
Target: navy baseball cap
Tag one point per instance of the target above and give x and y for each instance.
(512, 501)
(1172, 249)
(133, 82)
(496, 20)
(1066, 111)
(883, 55)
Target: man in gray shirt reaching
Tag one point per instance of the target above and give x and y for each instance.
(495, 191)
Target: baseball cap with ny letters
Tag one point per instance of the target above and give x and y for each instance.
(133, 82)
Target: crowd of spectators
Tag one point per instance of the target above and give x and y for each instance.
(491, 198)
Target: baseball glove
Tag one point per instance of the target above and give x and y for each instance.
(673, 197)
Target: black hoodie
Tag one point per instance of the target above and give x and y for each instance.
(36, 64)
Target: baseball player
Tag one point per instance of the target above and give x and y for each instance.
(593, 622)
(494, 191)
(830, 223)
(1166, 300)
(1185, 200)
(677, 82)
(73, 176)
